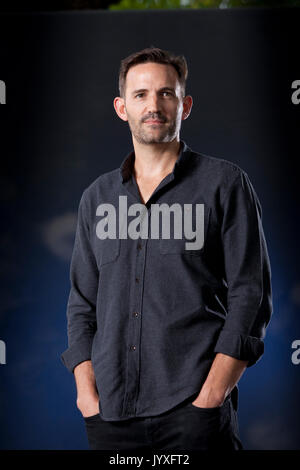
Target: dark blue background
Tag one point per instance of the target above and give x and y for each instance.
(59, 131)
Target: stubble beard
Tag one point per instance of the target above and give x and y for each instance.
(166, 134)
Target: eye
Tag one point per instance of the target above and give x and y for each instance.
(139, 94)
(168, 93)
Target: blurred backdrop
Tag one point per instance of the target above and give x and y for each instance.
(59, 131)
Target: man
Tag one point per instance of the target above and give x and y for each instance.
(161, 328)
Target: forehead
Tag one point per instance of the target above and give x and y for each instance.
(151, 73)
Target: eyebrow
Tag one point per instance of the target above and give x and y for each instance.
(141, 90)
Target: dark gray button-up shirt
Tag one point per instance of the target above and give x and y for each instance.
(151, 311)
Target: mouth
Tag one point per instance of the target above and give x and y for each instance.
(154, 122)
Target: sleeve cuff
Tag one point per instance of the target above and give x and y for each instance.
(77, 353)
(240, 346)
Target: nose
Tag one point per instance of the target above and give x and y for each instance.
(153, 103)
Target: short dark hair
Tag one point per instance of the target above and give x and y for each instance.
(159, 56)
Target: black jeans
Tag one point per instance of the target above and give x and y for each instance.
(184, 427)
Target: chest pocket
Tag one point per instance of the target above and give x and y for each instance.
(187, 245)
(107, 249)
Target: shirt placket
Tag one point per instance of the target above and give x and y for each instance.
(135, 317)
(134, 327)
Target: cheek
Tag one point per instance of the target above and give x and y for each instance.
(176, 114)
(175, 109)
(135, 113)
(130, 115)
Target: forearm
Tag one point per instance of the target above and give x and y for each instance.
(224, 374)
(85, 381)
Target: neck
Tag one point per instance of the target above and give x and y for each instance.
(154, 160)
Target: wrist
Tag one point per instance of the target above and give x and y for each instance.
(88, 405)
(87, 395)
(87, 402)
(210, 397)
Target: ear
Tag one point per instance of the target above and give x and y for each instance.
(187, 107)
(119, 105)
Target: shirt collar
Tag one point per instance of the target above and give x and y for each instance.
(127, 164)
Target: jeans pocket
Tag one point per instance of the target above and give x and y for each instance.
(212, 410)
(208, 411)
(89, 419)
(203, 426)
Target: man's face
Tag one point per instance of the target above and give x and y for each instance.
(153, 103)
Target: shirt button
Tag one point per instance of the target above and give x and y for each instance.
(136, 279)
(139, 246)
(133, 348)
(135, 314)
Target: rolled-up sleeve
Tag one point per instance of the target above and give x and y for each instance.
(81, 306)
(248, 274)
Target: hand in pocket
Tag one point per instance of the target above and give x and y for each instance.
(88, 406)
